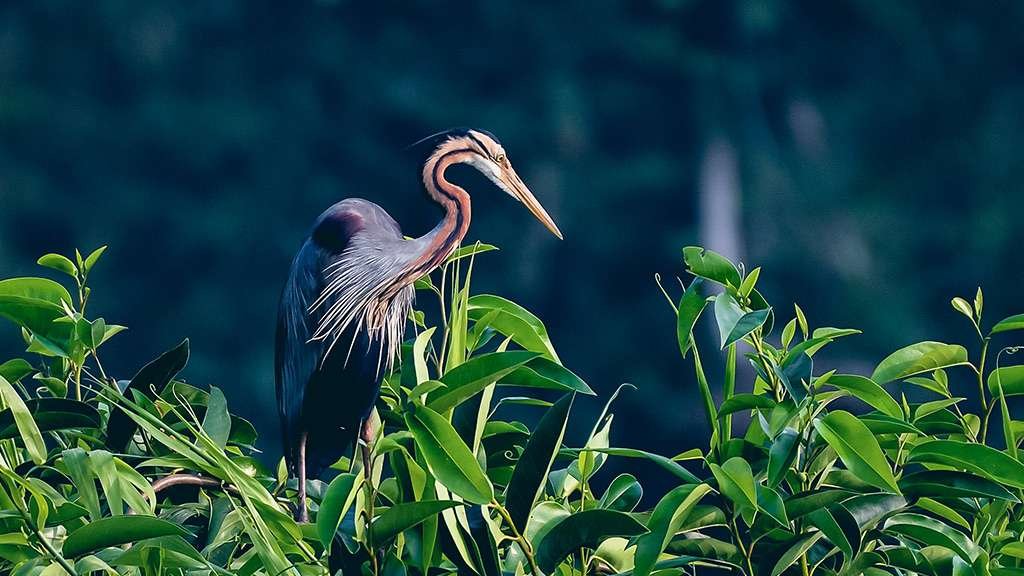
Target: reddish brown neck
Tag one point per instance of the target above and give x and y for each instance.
(439, 243)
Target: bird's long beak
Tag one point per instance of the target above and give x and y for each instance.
(523, 194)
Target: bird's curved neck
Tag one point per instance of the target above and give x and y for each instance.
(439, 243)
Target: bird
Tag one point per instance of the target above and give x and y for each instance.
(350, 289)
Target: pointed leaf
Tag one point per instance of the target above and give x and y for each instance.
(857, 448)
(931, 532)
(531, 471)
(797, 549)
(711, 265)
(514, 321)
(472, 376)
(340, 495)
(150, 381)
(733, 322)
(217, 421)
(447, 456)
(977, 458)
(1007, 324)
(623, 494)
(867, 391)
(918, 358)
(736, 481)
(781, 455)
(25, 424)
(405, 515)
(583, 530)
(117, 530)
(690, 307)
(668, 517)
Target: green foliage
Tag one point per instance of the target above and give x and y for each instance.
(155, 476)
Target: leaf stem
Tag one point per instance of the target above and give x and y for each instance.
(524, 545)
(57, 557)
(728, 389)
(981, 389)
(709, 401)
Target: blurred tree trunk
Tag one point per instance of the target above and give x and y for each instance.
(719, 197)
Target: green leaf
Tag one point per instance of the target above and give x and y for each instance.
(741, 402)
(1007, 324)
(833, 333)
(869, 509)
(749, 282)
(663, 461)
(839, 526)
(940, 510)
(37, 289)
(514, 321)
(931, 532)
(35, 315)
(447, 456)
(857, 448)
(117, 530)
(711, 265)
(797, 549)
(217, 421)
(16, 369)
(1014, 549)
(691, 304)
(583, 530)
(405, 515)
(952, 484)
(58, 263)
(868, 392)
(623, 494)
(801, 320)
(546, 375)
(472, 250)
(472, 376)
(150, 381)
(788, 331)
(880, 423)
(918, 358)
(52, 414)
(733, 322)
(92, 258)
(26, 425)
(1011, 378)
(531, 471)
(668, 517)
(928, 408)
(804, 503)
(795, 373)
(340, 495)
(79, 468)
(977, 458)
(963, 307)
(781, 455)
(736, 481)
(769, 502)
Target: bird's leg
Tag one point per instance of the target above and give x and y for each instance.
(301, 513)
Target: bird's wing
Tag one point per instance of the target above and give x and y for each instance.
(358, 281)
(296, 358)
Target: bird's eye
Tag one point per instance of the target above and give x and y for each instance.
(500, 158)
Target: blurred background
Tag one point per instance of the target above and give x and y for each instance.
(866, 153)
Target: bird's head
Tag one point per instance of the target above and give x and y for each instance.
(481, 150)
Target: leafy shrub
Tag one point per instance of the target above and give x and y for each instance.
(154, 476)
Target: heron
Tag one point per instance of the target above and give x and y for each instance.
(344, 307)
